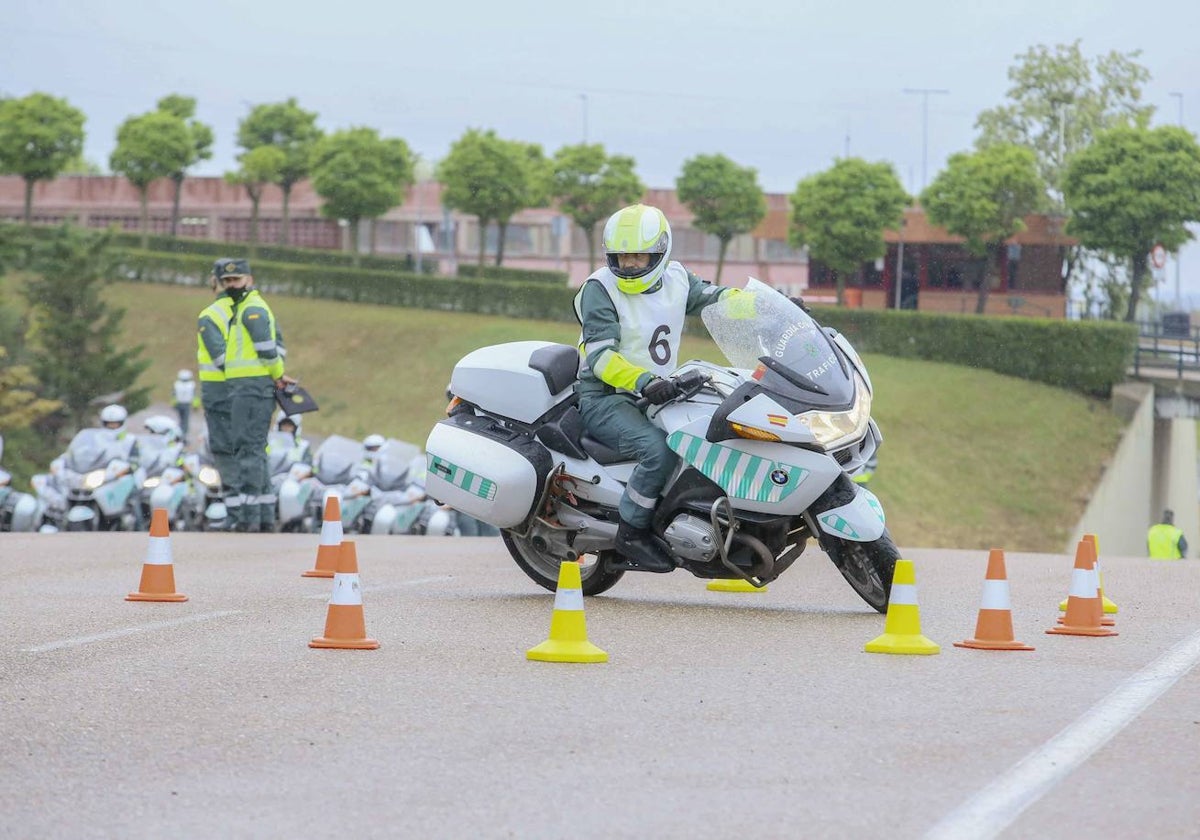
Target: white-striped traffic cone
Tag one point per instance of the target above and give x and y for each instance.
(902, 627)
(331, 539)
(158, 572)
(345, 627)
(994, 628)
(568, 640)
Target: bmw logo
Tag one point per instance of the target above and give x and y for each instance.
(779, 477)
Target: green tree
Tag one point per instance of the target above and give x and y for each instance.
(725, 199)
(1058, 102)
(292, 130)
(259, 166)
(184, 107)
(1131, 189)
(590, 186)
(984, 197)
(493, 179)
(40, 135)
(840, 214)
(360, 175)
(74, 352)
(151, 146)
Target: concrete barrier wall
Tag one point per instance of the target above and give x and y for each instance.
(1119, 511)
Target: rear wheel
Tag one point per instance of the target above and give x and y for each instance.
(866, 566)
(543, 568)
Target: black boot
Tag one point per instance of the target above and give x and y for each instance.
(639, 551)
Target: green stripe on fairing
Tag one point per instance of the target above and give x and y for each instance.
(737, 476)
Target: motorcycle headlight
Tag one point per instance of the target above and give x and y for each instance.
(151, 483)
(835, 429)
(93, 480)
(210, 476)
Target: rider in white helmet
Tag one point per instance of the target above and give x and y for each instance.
(300, 451)
(113, 417)
(632, 312)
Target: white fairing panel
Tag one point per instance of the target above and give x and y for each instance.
(861, 520)
(499, 378)
(481, 477)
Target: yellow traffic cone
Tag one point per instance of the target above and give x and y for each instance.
(568, 640)
(1109, 608)
(734, 585)
(902, 627)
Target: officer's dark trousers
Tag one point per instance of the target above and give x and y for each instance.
(253, 401)
(216, 401)
(615, 421)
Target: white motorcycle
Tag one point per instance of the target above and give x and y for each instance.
(765, 449)
(18, 511)
(93, 486)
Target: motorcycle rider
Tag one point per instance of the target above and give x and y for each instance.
(113, 417)
(371, 446)
(301, 450)
(631, 312)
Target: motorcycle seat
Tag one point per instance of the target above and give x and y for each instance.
(603, 453)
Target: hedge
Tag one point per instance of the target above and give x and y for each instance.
(450, 294)
(208, 248)
(512, 275)
(1085, 356)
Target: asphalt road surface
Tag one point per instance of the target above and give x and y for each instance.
(718, 715)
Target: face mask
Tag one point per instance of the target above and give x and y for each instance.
(237, 294)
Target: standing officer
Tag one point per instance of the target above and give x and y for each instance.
(253, 370)
(212, 344)
(1165, 541)
(185, 398)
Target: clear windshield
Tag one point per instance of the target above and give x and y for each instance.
(336, 459)
(799, 359)
(91, 449)
(279, 447)
(392, 463)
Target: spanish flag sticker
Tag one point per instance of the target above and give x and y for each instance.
(778, 419)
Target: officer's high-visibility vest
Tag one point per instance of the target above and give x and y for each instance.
(1163, 541)
(241, 358)
(220, 312)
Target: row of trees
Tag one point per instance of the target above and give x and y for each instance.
(1072, 139)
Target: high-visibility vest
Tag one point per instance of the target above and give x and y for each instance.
(1163, 541)
(241, 357)
(220, 312)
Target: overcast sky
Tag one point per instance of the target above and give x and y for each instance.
(784, 86)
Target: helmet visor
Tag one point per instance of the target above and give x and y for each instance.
(631, 272)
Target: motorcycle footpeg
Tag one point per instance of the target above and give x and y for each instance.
(617, 563)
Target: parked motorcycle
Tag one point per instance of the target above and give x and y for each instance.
(338, 467)
(93, 486)
(160, 453)
(765, 447)
(18, 511)
(396, 501)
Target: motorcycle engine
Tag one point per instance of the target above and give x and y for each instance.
(692, 538)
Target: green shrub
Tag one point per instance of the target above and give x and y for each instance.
(450, 294)
(472, 271)
(1085, 356)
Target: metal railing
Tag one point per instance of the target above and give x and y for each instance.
(1168, 349)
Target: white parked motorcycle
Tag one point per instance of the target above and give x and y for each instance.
(18, 511)
(93, 486)
(765, 448)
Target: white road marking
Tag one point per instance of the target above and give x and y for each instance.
(129, 631)
(998, 805)
(388, 587)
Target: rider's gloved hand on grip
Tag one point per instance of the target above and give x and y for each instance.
(659, 391)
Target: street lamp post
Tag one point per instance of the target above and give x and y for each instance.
(584, 99)
(1178, 300)
(925, 93)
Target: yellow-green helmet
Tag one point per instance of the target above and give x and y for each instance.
(638, 229)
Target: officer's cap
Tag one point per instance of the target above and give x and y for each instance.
(223, 268)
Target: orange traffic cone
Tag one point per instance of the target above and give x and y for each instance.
(1108, 607)
(345, 626)
(331, 539)
(1085, 610)
(994, 629)
(158, 572)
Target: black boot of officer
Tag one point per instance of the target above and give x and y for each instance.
(640, 551)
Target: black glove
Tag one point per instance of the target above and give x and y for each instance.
(799, 301)
(659, 391)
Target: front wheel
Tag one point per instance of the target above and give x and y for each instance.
(543, 568)
(867, 567)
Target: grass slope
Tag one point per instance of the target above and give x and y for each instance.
(971, 458)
